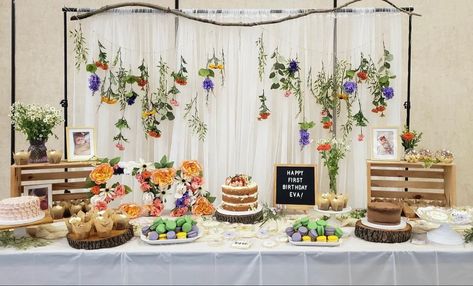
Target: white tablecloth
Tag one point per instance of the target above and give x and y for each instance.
(354, 262)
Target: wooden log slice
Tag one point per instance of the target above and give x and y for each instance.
(246, 219)
(381, 235)
(118, 237)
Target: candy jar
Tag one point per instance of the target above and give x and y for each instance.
(412, 156)
(444, 156)
(57, 210)
(323, 201)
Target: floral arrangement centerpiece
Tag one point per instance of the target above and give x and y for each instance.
(97, 182)
(410, 139)
(155, 181)
(190, 193)
(37, 123)
(332, 151)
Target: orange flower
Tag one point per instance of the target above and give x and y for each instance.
(146, 174)
(324, 147)
(154, 134)
(102, 173)
(95, 190)
(163, 177)
(408, 136)
(190, 169)
(203, 207)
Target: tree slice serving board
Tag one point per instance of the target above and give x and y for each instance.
(381, 235)
(118, 237)
(246, 219)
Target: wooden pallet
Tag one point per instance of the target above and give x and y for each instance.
(387, 179)
(59, 175)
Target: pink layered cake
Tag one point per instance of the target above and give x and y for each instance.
(239, 194)
(19, 208)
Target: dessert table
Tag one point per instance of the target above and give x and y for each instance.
(354, 262)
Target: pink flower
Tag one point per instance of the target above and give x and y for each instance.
(120, 146)
(145, 187)
(101, 205)
(178, 212)
(120, 191)
(139, 178)
(361, 137)
(156, 208)
(197, 182)
(324, 113)
(187, 201)
(174, 102)
(287, 93)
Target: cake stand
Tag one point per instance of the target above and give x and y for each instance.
(331, 214)
(246, 217)
(444, 235)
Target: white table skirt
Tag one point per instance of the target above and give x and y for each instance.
(354, 262)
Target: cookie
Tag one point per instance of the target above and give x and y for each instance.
(153, 235)
(171, 235)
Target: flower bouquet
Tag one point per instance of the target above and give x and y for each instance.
(410, 139)
(37, 123)
(97, 182)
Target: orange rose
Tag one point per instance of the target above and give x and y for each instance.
(190, 169)
(203, 207)
(95, 190)
(163, 177)
(102, 173)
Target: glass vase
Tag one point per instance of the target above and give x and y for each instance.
(37, 151)
(332, 174)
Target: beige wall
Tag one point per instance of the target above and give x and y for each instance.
(441, 67)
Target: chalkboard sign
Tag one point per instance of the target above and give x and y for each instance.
(295, 185)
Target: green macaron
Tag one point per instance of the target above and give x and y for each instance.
(338, 232)
(187, 227)
(312, 225)
(320, 230)
(322, 222)
(158, 220)
(180, 221)
(304, 221)
(161, 228)
(188, 219)
(170, 225)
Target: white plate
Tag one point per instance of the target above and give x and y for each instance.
(345, 210)
(169, 241)
(315, 243)
(25, 221)
(401, 225)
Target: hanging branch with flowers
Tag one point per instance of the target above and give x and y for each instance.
(285, 75)
(80, 46)
(190, 193)
(97, 182)
(208, 73)
(157, 106)
(262, 57)
(94, 79)
(194, 121)
(264, 111)
(304, 134)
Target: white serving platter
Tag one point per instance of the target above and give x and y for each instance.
(315, 243)
(170, 241)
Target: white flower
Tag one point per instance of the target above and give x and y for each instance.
(181, 188)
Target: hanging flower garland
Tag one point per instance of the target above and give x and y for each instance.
(304, 134)
(285, 75)
(264, 111)
(208, 73)
(97, 182)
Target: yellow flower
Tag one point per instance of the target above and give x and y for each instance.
(212, 66)
(108, 100)
(343, 96)
(220, 67)
(148, 113)
(102, 173)
(190, 169)
(163, 177)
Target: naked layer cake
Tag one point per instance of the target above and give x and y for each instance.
(239, 194)
(19, 208)
(384, 213)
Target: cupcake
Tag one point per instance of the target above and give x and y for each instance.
(81, 230)
(103, 225)
(323, 201)
(337, 202)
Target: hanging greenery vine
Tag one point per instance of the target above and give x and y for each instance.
(194, 121)
(262, 57)
(80, 46)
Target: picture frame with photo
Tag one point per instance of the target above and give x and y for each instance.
(385, 143)
(80, 143)
(44, 192)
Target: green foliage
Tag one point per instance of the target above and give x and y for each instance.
(262, 57)
(34, 121)
(468, 236)
(306, 125)
(8, 239)
(263, 108)
(80, 46)
(163, 163)
(193, 119)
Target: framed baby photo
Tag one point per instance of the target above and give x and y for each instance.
(43, 192)
(385, 143)
(80, 143)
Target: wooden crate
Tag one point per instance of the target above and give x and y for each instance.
(58, 175)
(387, 179)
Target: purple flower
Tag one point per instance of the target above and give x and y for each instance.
(293, 66)
(388, 92)
(118, 171)
(305, 138)
(349, 87)
(94, 82)
(131, 100)
(181, 202)
(208, 84)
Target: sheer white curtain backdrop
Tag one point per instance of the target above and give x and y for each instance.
(236, 141)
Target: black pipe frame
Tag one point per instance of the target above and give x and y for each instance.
(66, 10)
(13, 73)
